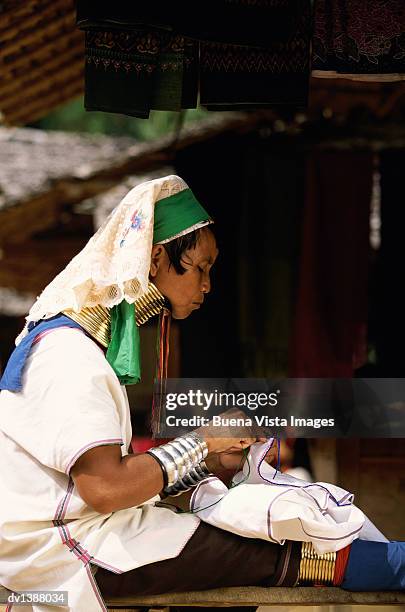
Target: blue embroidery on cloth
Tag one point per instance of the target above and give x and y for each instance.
(137, 224)
(12, 376)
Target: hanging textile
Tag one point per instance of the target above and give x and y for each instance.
(239, 52)
(359, 38)
(257, 76)
(329, 337)
(135, 71)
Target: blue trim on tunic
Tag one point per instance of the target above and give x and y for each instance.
(12, 375)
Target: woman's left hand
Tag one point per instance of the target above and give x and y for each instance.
(218, 462)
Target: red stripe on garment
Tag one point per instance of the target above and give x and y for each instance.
(342, 557)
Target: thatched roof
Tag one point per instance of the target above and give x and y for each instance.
(41, 58)
(39, 231)
(31, 160)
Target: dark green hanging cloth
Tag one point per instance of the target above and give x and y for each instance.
(136, 70)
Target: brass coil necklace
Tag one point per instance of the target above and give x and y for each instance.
(96, 320)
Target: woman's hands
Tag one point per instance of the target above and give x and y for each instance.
(232, 461)
(223, 439)
(220, 462)
(228, 452)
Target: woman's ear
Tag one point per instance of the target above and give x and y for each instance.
(156, 260)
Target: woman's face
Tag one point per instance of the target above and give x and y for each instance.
(185, 291)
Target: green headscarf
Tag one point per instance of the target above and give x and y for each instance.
(175, 215)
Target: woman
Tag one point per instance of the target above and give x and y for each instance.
(80, 514)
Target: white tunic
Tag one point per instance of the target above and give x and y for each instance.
(71, 401)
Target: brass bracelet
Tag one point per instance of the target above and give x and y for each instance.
(316, 568)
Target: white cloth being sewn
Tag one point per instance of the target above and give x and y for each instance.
(272, 506)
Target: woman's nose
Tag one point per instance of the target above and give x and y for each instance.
(206, 284)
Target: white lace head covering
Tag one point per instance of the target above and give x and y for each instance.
(114, 264)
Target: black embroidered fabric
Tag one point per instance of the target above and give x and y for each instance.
(135, 71)
(240, 53)
(258, 76)
(355, 37)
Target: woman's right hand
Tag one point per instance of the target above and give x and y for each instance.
(223, 438)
